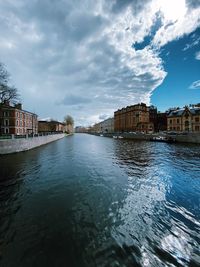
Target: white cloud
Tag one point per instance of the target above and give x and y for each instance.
(78, 57)
(197, 55)
(176, 28)
(192, 44)
(195, 85)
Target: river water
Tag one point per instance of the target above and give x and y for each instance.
(93, 201)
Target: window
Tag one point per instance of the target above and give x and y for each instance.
(170, 121)
(6, 114)
(196, 119)
(177, 120)
(6, 122)
(186, 123)
(6, 130)
(196, 128)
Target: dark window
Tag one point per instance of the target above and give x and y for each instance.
(197, 119)
(177, 120)
(6, 122)
(6, 114)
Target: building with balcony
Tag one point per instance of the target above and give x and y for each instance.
(15, 120)
(133, 118)
(186, 119)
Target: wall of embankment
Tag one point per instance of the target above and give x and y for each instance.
(179, 138)
(9, 146)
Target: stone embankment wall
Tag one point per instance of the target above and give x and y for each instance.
(189, 138)
(179, 138)
(9, 146)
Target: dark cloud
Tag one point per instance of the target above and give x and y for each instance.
(193, 3)
(136, 5)
(75, 100)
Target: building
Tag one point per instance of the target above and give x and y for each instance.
(153, 117)
(81, 129)
(186, 119)
(107, 126)
(96, 128)
(161, 122)
(68, 128)
(15, 120)
(50, 126)
(133, 118)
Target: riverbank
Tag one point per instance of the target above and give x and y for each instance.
(8, 146)
(179, 138)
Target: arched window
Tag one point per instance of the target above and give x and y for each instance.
(186, 123)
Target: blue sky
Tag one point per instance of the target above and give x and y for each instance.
(89, 58)
(183, 69)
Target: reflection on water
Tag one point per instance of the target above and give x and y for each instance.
(93, 201)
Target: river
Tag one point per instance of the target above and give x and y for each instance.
(93, 201)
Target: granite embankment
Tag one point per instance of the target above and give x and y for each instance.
(179, 138)
(8, 146)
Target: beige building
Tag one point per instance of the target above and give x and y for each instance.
(96, 128)
(50, 126)
(68, 128)
(186, 119)
(107, 126)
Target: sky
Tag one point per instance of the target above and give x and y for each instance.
(89, 58)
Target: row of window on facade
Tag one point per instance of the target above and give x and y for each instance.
(18, 115)
(19, 123)
(195, 128)
(196, 119)
(18, 131)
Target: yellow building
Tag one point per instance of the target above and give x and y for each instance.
(186, 119)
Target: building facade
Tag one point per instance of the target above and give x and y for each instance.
(134, 118)
(186, 119)
(50, 126)
(107, 126)
(15, 120)
(161, 122)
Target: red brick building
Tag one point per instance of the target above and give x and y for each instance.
(15, 120)
(133, 118)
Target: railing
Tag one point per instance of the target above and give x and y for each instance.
(21, 136)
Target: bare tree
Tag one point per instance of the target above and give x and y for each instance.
(68, 120)
(4, 75)
(7, 93)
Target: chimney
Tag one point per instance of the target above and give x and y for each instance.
(6, 102)
(18, 106)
